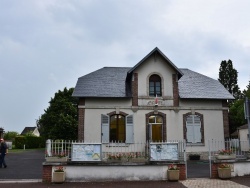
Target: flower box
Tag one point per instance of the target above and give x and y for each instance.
(56, 159)
(138, 160)
(226, 157)
(173, 175)
(58, 177)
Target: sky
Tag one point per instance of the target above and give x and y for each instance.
(46, 45)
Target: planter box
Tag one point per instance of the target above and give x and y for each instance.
(137, 160)
(194, 157)
(56, 159)
(58, 177)
(224, 173)
(226, 157)
(173, 175)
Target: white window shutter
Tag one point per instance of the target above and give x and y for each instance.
(190, 134)
(105, 128)
(129, 129)
(197, 129)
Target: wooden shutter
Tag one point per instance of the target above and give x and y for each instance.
(197, 129)
(190, 131)
(105, 128)
(129, 129)
(193, 124)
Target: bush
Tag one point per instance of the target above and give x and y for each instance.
(30, 142)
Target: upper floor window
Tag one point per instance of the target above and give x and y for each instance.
(155, 85)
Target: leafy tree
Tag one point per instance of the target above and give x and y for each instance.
(236, 111)
(60, 119)
(228, 77)
(10, 135)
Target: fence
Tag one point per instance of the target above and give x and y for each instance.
(169, 150)
(236, 146)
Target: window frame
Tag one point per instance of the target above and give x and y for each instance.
(153, 89)
(185, 116)
(105, 128)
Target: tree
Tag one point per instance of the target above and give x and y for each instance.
(228, 77)
(10, 135)
(236, 111)
(60, 119)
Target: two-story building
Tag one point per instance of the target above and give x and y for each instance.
(152, 101)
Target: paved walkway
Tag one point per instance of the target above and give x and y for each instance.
(25, 170)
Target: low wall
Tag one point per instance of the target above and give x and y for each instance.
(94, 173)
(239, 168)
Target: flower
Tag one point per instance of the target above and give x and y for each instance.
(56, 154)
(224, 165)
(225, 152)
(59, 169)
(173, 167)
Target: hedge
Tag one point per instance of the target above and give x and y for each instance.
(30, 142)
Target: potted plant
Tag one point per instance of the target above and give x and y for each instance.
(173, 173)
(58, 175)
(224, 171)
(225, 154)
(56, 157)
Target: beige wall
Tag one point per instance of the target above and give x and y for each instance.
(213, 125)
(160, 67)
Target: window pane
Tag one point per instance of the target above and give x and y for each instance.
(158, 119)
(156, 133)
(151, 119)
(117, 128)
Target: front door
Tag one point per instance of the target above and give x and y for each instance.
(155, 128)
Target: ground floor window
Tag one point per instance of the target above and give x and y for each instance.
(117, 128)
(193, 128)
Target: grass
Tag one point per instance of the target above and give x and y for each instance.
(22, 150)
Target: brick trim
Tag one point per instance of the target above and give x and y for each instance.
(47, 173)
(135, 90)
(114, 112)
(175, 89)
(182, 175)
(81, 117)
(225, 123)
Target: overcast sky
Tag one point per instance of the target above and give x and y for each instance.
(45, 45)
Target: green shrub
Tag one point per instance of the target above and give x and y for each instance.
(29, 141)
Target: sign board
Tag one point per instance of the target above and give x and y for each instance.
(86, 152)
(163, 151)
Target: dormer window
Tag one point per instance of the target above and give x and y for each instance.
(154, 85)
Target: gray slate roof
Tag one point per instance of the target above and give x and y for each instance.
(105, 82)
(197, 86)
(27, 130)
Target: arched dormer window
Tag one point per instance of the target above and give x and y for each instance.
(155, 85)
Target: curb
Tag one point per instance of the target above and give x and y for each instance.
(20, 181)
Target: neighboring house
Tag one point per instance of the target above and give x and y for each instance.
(32, 130)
(152, 101)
